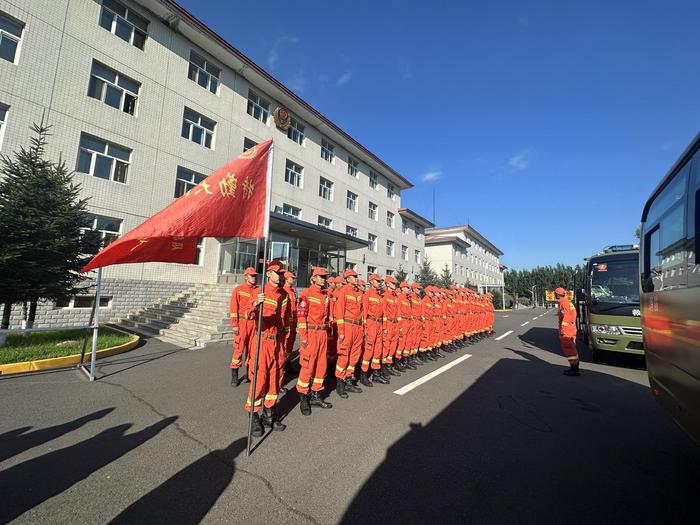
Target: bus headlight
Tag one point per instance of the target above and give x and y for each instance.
(606, 329)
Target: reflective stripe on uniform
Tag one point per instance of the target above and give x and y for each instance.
(318, 380)
(302, 384)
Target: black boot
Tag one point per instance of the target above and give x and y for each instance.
(437, 353)
(377, 377)
(430, 354)
(258, 429)
(350, 386)
(281, 392)
(409, 364)
(395, 368)
(416, 360)
(365, 379)
(270, 420)
(340, 389)
(389, 369)
(384, 372)
(317, 401)
(423, 357)
(448, 348)
(572, 371)
(304, 405)
(234, 377)
(398, 365)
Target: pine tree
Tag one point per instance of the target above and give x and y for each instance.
(427, 275)
(401, 274)
(445, 278)
(42, 214)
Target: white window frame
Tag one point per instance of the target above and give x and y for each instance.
(327, 150)
(373, 211)
(417, 256)
(258, 107)
(126, 20)
(198, 123)
(295, 132)
(390, 219)
(325, 222)
(351, 197)
(291, 211)
(199, 261)
(404, 226)
(248, 143)
(371, 269)
(196, 73)
(104, 153)
(325, 189)
(9, 36)
(373, 180)
(390, 191)
(118, 77)
(104, 234)
(390, 248)
(186, 184)
(293, 174)
(353, 167)
(350, 230)
(404, 252)
(3, 122)
(372, 239)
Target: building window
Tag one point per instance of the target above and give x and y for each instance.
(404, 253)
(83, 301)
(404, 226)
(293, 173)
(291, 211)
(295, 131)
(325, 222)
(123, 22)
(10, 38)
(185, 180)
(108, 228)
(351, 201)
(389, 272)
(3, 120)
(390, 248)
(373, 180)
(390, 219)
(199, 259)
(372, 211)
(327, 151)
(103, 159)
(419, 233)
(203, 72)
(113, 88)
(258, 107)
(325, 189)
(350, 266)
(247, 144)
(198, 128)
(417, 256)
(353, 167)
(371, 270)
(390, 191)
(372, 242)
(351, 231)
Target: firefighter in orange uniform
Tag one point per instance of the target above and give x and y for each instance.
(405, 325)
(314, 307)
(567, 331)
(416, 324)
(242, 320)
(348, 317)
(390, 339)
(291, 336)
(275, 317)
(332, 353)
(372, 315)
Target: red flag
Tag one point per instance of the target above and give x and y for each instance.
(231, 202)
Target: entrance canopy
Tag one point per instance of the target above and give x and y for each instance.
(301, 229)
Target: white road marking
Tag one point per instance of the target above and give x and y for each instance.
(418, 382)
(505, 316)
(526, 322)
(535, 318)
(504, 335)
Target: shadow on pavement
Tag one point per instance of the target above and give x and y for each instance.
(525, 444)
(17, 441)
(188, 495)
(28, 484)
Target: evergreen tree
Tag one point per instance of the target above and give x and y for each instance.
(42, 246)
(445, 278)
(427, 275)
(400, 274)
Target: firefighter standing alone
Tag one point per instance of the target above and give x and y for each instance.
(567, 331)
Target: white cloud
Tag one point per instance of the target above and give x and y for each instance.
(520, 161)
(405, 69)
(344, 78)
(298, 81)
(273, 56)
(431, 176)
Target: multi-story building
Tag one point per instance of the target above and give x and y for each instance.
(145, 100)
(471, 258)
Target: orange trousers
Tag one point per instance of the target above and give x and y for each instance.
(567, 340)
(390, 342)
(267, 385)
(312, 360)
(349, 351)
(244, 339)
(372, 353)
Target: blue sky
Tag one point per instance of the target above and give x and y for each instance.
(546, 124)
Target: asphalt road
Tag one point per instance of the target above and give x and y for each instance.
(500, 437)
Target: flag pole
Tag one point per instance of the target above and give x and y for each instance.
(266, 230)
(96, 329)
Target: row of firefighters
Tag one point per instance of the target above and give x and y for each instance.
(367, 331)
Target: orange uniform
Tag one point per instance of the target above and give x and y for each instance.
(567, 330)
(372, 313)
(242, 316)
(391, 332)
(427, 312)
(348, 317)
(416, 324)
(313, 315)
(405, 335)
(291, 336)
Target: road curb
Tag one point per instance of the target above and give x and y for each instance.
(60, 362)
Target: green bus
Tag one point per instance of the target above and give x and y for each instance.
(670, 291)
(608, 302)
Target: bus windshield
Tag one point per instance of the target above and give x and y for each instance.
(614, 282)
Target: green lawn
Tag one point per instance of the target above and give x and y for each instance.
(44, 345)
